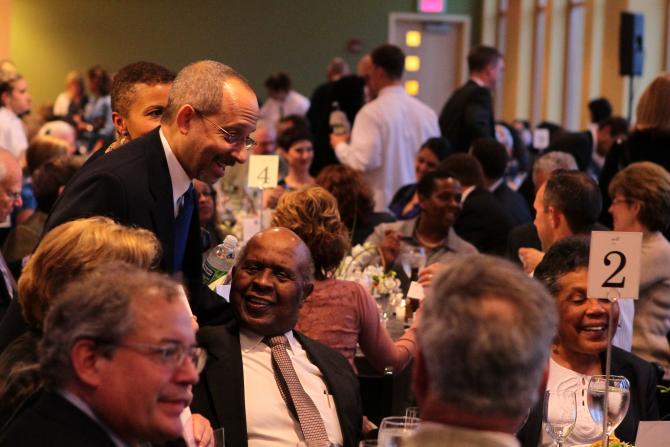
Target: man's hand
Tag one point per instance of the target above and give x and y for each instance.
(390, 247)
(202, 431)
(336, 139)
(530, 258)
(426, 274)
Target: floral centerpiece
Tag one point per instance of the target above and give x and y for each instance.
(362, 265)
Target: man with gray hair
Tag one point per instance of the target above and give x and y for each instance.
(10, 198)
(484, 344)
(118, 359)
(205, 127)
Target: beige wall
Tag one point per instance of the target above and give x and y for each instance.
(599, 70)
(5, 29)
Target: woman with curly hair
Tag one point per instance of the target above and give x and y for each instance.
(354, 201)
(340, 314)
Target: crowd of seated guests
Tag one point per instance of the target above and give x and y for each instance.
(505, 198)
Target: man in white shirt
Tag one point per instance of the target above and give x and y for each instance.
(241, 387)
(15, 100)
(282, 100)
(484, 344)
(388, 131)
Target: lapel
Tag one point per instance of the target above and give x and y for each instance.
(160, 187)
(224, 380)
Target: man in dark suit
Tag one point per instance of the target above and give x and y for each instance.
(245, 387)
(205, 127)
(468, 114)
(482, 221)
(10, 198)
(492, 156)
(118, 361)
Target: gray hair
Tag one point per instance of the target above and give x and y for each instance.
(555, 160)
(200, 84)
(485, 335)
(97, 307)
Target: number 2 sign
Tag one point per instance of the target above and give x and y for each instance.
(614, 264)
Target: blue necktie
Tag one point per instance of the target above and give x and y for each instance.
(181, 226)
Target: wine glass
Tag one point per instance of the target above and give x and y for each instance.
(393, 429)
(618, 398)
(559, 414)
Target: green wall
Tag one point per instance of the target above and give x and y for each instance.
(257, 37)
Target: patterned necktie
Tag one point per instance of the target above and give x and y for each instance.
(311, 424)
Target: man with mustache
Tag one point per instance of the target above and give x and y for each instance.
(205, 127)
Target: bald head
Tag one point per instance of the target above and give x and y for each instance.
(10, 184)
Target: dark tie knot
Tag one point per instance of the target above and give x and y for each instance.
(277, 340)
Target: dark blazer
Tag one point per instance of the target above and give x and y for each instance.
(467, 115)
(513, 203)
(643, 405)
(524, 235)
(483, 222)
(55, 422)
(219, 396)
(132, 185)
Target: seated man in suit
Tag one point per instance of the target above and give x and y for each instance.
(298, 390)
(118, 360)
(484, 342)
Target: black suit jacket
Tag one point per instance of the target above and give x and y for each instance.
(483, 222)
(522, 236)
(467, 115)
(219, 396)
(513, 203)
(55, 422)
(132, 185)
(643, 405)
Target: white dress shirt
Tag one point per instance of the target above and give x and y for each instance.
(269, 421)
(293, 104)
(385, 139)
(12, 134)
(179, 178)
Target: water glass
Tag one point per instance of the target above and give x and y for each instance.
(559, 414)
(393, 429)
(618, 399)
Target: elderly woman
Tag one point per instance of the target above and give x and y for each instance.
(440, 200)
(340, 314)
(579, 350)
(354, 201)
(649, 139)
(405, 203)
(641, 202)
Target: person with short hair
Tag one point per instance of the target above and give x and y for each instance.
(139, 95)
(10, 198)
(148, 183)
(388, 131)
(266, 383)
(641, 202)
(282, 99)
(118, 359)
(579, 349)
(468, 113)
(484, 341)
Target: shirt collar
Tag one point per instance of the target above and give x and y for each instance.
(466, 192)
(179, 178)
(495, 184)
(84, 408)
(391, 89)
(250, 341)
(478, 81)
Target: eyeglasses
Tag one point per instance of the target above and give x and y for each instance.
(230, 138)
(616, 201)
(172, 355)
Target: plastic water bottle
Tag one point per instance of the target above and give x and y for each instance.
(338, 121)
(219, 260)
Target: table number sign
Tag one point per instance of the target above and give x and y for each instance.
(263, 171)
(614, 264)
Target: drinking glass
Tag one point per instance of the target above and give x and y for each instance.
(393, 429)
(559, 414)
(219, 438)
(618, 398)
(413, 412)
(415, 256)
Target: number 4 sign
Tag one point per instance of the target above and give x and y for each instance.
(263, 171)
(614, 264)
